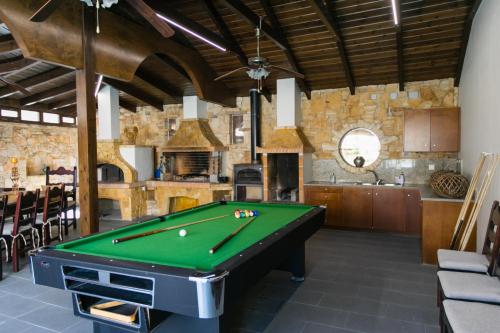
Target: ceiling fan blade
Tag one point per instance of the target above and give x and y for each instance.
(45, 11)
(15, 86)
(231, 72)
(294, 73)
(150, 15)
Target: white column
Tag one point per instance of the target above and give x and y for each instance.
(194, 108)
(108, 102)
(287, 103)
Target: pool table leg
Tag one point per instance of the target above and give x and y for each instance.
(296, 263)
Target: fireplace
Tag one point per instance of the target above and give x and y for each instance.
(193, 166)
(283, 177)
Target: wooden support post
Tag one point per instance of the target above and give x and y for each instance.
(87, 134)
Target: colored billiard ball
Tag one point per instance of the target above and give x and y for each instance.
(242, 214)
(182, 232)
(255, 213)
(237, 213)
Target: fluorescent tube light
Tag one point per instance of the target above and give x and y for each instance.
(98, 85)
(394, 12)
(183, 28)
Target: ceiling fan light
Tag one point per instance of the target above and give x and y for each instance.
(192, 33)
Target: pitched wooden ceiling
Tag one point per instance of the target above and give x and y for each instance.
(336, 44)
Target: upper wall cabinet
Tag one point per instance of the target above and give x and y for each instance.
(432, 130)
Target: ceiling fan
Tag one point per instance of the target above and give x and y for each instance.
(259, 67)
(140, 6)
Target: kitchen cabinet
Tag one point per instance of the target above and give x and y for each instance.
(432, 130)
(389, 211)
(413, 211)
(445, 130)
(357, 207)
(439, 218)
(329, 196)
(417, 130)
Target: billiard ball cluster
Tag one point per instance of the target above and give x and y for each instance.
(240, 213)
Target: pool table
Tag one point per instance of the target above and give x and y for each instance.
(173, 282)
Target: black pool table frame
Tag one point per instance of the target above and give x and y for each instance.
(173, 299)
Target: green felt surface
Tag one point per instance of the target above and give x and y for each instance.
(192, 251)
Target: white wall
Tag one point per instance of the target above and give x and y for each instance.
(480, 99)
(141, 159)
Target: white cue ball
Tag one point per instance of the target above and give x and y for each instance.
(182, 232)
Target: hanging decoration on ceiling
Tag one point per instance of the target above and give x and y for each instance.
(98, 5)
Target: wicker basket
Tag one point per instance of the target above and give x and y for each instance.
(449, 184)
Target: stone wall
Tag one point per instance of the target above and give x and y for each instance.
(35, 146)
(325, 118)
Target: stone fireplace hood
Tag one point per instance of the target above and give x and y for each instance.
(194, 133)
(287, 137)
(286, 140)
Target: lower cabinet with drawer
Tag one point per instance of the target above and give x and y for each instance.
(367, 207)
(329, 196)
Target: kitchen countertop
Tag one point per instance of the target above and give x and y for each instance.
(426, 192)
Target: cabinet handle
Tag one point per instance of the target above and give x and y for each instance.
(409, 195)
(376, 193)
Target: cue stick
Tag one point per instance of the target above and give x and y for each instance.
(153, 232)
(228, 238)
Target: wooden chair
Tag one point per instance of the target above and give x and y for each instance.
(4, 200)
(23, 226)
(53, 206)
(69, 205)
(471, 261)
(472, 287)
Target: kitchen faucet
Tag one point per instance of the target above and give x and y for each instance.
(378, 181)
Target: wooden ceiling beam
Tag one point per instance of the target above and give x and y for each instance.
(161, 7)
(161, 85)
(225, 32)
(62, 104)
(465, 43)
(49, 94)
(253, 19)
(275, 25)
(36, 80)
(399, 43)
(136, 93)
(328, 20)
(15, 64)
(8, 44)
(128, 106)
(173, 65)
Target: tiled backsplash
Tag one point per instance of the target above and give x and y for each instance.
(416, 171)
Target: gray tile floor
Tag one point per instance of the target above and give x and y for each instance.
(356, 282)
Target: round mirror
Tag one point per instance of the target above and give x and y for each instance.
(359, 147)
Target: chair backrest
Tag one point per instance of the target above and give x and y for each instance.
(491, 247)
(53, 202)
(57, 175)
(4, 201)
(26, 209)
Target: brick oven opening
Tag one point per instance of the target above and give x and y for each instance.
(109, 173)
(283, 177)
(248, 182)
